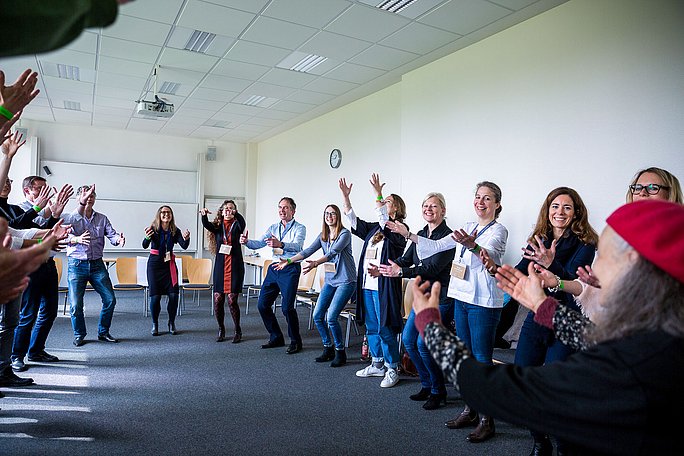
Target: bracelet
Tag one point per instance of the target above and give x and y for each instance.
(408, 236)
(289, 261)
(40, 240)
(6, 112)
(558, 287)
(379, 198)
(475, 249)
(37, 209)
(148, 238)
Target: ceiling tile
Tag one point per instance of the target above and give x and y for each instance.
(235, 119)
(68, 85)
(277, 115)
(414, 10)
(278, 33)
(366, 23)
(209, 17)
(334, 46)
(193, 112)
(213, 81)
(263, 122)
(121, 66)
(464, 16)
(158, 10)
(38, 113)
(121, 80)
(208, 105)
(182, 129)
(293, 106)
(208, 132)
(180, 38)
(86, 42)
(354, 73)
(82, 60)
(513, 4)
(140, 30)
(287, 78)
(118, 112)
(176, 58)
(331, 86)
(108, 102)
(252, 6)
(268, 90)
(117, 92)
(213, 94)
(245, 51)
(141, 124)
(306, 96)
(384, 57)
(419, 38)
(72, 117)
(131, 50)
(236, 69)
(240, 109)
(314, 14)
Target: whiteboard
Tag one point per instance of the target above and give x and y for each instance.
(125, 183)
(131, 218)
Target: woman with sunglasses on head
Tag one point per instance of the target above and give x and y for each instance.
(162, 273)
(378, 298)
(339, 286)
(223, 238)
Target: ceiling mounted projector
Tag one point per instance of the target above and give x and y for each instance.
(157, 108)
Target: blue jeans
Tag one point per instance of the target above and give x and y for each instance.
(285, 283)
(382, 341)
(39, 305)
(537, 345)
(79, 274)
(430, 374)
(476, 327)
(331, 301)
(9, 317)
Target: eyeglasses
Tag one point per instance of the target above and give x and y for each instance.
(165, 212)
(651, 189)
(330, 214)
(9, 181)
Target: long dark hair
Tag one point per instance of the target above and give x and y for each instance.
(156, 223)
(580, 224)
(218, 221)
(326, 233)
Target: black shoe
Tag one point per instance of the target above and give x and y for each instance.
(106, 338)
(295, 347)
(9, 378)
(222, 335)
(43, 357)
(155, 329)
(18, 365)
(421, 395)
(172, 329)
(327, 355)
(274, 343)
(237, 338)
(340, 358)
(542, 448)
(78, 341)
(435, 401)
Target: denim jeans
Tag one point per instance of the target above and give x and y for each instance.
(38, 312)
(9, 317)
(476, 327)
(537, 345)
(285, 283)
(331, 301)
(428, 371)
(80, 273)
(382, 341)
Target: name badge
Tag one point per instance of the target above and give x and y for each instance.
(225, 249)
(371, 253)
(458, 270)
(278, 251)
(329, 267)
(167, 257)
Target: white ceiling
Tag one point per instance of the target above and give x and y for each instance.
(367, 49)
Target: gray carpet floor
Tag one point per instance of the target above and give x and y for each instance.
(187, 395)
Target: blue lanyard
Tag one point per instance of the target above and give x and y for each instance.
(280, 227)
(478, 235)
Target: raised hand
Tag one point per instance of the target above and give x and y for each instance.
(86, 194)
(540, 254)
(526, 289)
(465, 239)
(12, 143)
(487, 261)
(15, 97)
(46, 192)
(397, 227)
(149, 232)
(83, 238)
(63, 197)
(122, 240)
(344, 188)
(204, 211)
(548, 278)
(7, 126)
(308, 266)
(425, 297)
(186, 234)
(586, 275)
(375, 182)
(244, 237)
(273, 242)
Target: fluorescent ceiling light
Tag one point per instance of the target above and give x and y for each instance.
(68, 72)
(308, 63)
(199, 41)
(72, 105)
(254, 100)
(394, 6)
(169, 88)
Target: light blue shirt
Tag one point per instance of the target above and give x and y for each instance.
(99, 227)
(292, 236)
(338, 252)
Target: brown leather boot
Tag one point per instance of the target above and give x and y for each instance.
(467, 418)
(484, 430)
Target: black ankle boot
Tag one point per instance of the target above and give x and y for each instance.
(327, 355)
(340, 359)
(155, 329)
(435, 401)
(542, 448)
(421, 395)
(221, 335)
(172, 328)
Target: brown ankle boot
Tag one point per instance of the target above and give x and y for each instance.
(484, 431)
(467, 418)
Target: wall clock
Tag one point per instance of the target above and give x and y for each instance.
(335, 158)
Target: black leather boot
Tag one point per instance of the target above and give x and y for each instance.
(327, 355)
(542, 447)
(340, 359)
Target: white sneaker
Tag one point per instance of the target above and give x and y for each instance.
(391, 379)
(371, 371)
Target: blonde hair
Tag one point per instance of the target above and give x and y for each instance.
(674, 190)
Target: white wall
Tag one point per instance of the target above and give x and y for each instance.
(582, 96)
